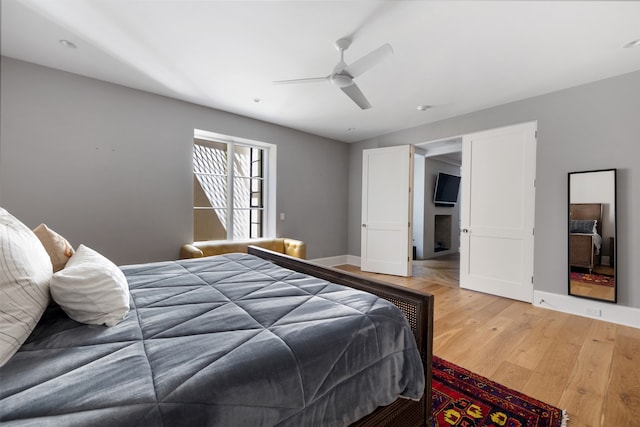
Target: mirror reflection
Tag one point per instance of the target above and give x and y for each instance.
(592, 234)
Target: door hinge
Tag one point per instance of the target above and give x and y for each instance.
(532, 280)
(533, 231)
(536, 134)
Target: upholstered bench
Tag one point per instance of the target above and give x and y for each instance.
(292, 247)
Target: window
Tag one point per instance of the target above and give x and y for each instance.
(232, 194)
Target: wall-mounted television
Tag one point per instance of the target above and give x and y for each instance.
(446, 191)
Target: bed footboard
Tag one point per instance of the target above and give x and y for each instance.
(417, 308)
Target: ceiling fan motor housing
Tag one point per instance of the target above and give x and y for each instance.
(341, 79)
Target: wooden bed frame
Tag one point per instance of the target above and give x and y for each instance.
(581, 248)
(417, 308)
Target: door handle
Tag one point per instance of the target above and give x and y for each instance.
(364, 225)
(465, 230)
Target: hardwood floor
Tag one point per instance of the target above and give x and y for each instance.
(589, 367)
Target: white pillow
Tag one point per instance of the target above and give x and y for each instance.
(25, 272)
(91, 289)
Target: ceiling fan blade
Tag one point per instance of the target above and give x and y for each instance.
(294, 81)
(356, 95)
(369, 60)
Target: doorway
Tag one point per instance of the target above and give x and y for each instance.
(436, 226)
(494, 235)
(495, 231)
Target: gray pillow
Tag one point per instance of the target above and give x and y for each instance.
(585, 226)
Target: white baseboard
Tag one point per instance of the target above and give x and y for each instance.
(613, 313)
(353, 260)
(332, 261)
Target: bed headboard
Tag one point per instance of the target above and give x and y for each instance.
(587, 211)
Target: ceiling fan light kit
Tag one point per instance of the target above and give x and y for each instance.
(343, 74)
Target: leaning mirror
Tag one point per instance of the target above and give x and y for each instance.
(592, 235)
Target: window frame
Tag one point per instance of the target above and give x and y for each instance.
(269, 165)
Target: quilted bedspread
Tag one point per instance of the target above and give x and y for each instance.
(230, 340)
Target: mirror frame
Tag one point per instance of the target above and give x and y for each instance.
(615, 235)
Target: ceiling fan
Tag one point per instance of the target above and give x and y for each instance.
(343, 74)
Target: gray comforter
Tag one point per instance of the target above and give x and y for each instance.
(231, 340)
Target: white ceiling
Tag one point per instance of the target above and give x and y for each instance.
(456, 56)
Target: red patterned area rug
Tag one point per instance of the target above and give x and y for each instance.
(464, 399)
(593, 279)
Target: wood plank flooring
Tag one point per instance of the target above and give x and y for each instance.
(589, 367)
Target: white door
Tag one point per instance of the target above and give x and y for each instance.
(497, 213)
(387, 205)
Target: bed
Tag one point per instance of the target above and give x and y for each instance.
(585, 235)
(236, 339)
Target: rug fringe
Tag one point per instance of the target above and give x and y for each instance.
(565, 418)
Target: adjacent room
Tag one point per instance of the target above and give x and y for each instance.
(409, 213)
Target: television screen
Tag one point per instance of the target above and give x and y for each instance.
(446, 191)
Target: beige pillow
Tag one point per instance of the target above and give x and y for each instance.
(58, 248)
(25, 272)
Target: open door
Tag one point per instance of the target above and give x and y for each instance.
(497, 217)
(387, 209)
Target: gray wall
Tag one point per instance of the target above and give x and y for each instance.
(110, 166)
(588, 127)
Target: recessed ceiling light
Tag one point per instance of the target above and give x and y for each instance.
(67, 43)
(632, 44)
(423, 107)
